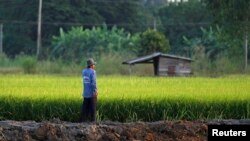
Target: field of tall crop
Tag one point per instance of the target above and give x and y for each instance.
(126, 98)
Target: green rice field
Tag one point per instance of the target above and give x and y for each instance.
(126, 98)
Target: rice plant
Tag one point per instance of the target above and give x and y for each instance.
(125, 98)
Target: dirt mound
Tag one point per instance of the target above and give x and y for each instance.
(106, 131)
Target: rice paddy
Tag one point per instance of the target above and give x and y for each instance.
(126, 98)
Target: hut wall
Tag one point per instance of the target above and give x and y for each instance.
(173, 67)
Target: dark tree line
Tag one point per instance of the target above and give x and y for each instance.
(176, 20)
(19, 18)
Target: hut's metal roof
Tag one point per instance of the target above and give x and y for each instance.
(149, 58)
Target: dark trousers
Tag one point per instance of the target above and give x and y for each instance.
(88, 112)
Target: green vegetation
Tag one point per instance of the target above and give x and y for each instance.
(184, 19)
(213, 54)
(108, 64)
(215, 34)
(39, 97)
(78, 44)
(153, 41)
(74, 30)
(20, 20)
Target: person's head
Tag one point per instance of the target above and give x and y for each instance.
(91, 63)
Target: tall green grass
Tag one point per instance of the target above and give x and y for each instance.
(125, 98)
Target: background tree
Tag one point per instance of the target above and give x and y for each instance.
(20, 20)
(234, 16)
(79, 43)
(19, 28)
(210, 54)
(183, 19)
(153, 41)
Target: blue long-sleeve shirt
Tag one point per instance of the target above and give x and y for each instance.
(89, 82)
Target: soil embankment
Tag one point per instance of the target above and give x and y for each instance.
(55, 130)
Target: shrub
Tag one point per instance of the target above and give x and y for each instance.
(3, 59)
(111, 64)
(153, 41)
(28, 63)
(80, 43)
(49, 66)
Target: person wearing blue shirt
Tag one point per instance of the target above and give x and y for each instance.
(90, 93)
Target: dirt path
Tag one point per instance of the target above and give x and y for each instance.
(108, 131)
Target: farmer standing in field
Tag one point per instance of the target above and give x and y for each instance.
(90, 93)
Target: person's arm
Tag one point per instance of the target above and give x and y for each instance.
(93, 83)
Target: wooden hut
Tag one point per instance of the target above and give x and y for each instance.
(165, 64)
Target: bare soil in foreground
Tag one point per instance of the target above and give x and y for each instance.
(56, 130)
